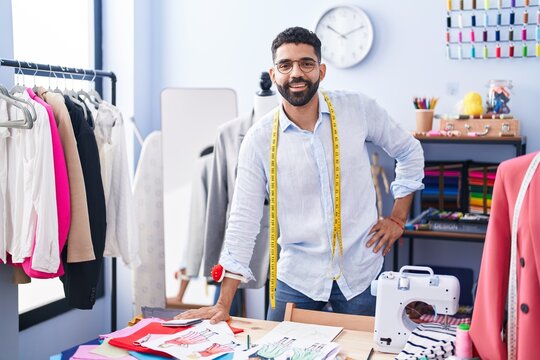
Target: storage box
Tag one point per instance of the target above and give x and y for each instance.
(482, 127)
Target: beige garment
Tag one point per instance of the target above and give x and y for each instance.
(79, 242)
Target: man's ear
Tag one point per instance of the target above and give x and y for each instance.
(272, 73)
(322, 71)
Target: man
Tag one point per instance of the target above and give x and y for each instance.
(312, 270)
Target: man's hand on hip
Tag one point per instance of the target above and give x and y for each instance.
(385, 233)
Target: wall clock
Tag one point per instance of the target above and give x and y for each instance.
(346, 35)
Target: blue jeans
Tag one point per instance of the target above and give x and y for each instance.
(362, 304)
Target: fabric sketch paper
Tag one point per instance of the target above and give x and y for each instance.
(202, 341)
(309, 332)
(294, 341)
(289, 349)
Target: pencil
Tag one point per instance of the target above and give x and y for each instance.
(370, 354)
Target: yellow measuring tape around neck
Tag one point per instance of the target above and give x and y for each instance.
(336, 233)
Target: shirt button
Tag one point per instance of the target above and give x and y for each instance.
(525, 308)
(522, 262)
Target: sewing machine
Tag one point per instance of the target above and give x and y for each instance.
(396, 290)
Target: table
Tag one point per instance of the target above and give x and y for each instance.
(354, 344)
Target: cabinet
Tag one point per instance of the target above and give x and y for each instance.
(458, 149)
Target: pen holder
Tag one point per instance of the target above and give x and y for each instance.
(424, 120)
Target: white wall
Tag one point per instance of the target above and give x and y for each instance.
(227, 44)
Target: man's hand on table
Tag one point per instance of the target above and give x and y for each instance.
(215, 313)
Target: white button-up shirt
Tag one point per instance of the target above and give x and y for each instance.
(305, 194)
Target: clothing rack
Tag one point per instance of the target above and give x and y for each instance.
(45, 70)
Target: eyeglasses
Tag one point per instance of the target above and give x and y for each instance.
(306, 65)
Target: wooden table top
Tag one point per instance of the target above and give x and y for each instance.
(354, 344)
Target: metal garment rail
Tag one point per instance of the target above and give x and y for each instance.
(29, 68)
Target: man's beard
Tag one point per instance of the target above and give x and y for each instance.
(298, 98)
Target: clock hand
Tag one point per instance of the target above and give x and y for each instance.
(353, 30)
(334, 30)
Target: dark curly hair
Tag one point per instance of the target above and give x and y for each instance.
(297, 35)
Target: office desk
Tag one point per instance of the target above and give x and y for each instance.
(354, 344)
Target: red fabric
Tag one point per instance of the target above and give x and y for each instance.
(152, 328)
(492, 292)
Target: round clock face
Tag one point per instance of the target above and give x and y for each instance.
(346, 35)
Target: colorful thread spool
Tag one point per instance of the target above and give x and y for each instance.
(486, 19)
(472, 35)
(524, 33)
(512, 17)
(485, 52)
(473, 19)
(511, 51)
(511, 34)
(499, 19)
(525, 17)
(524, 50)
(473, 52)
(497, 34)
(498, 52)
(484, 35)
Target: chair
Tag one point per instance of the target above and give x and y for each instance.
(349, 322)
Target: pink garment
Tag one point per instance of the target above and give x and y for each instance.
(492, 292)
(130, 329)
(63, 204)
(446, 173)
(84, 352)
(480, 175)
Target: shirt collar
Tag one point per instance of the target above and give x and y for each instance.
(284, 121)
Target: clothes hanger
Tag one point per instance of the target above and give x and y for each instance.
(86, 95)
(93, 91)
(18, 88)
(34, 88)
(74, 98)
(57, 89)
(15, 101)
(27, 122)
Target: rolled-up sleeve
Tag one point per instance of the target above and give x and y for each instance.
(400, 145)
(246, 210)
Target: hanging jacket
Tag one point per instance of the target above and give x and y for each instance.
(81, 279)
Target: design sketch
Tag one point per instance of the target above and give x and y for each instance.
(311, 353)
(215, 349)
(189, 338)
(292, 349)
